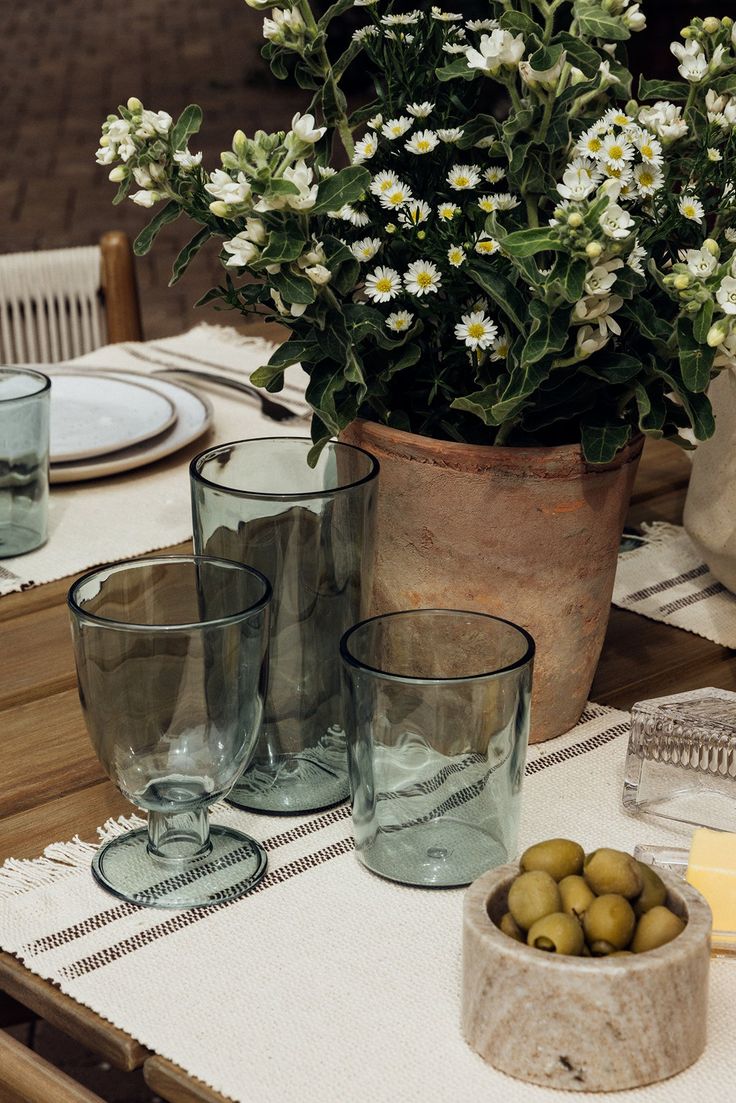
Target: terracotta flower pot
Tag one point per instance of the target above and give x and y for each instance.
(530, 534)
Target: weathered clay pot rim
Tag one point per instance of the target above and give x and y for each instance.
(406, 679)
(562, 461)
(482, 891)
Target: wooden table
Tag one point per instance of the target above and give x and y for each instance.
(54, 787)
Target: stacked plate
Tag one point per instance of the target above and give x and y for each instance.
(105, 422)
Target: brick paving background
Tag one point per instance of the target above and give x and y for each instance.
(63, 65)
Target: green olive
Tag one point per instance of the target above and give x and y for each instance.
(557, 934)
(576, 895)
(654, 892)
(533, 895)
(613, 872)
(609, 923)
(558, 857)
(510, 927)
(655, 928)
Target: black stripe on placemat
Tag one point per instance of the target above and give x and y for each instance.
(668, 584)
(692, 599)
(120, 911)
(592, 744)
(184, 919)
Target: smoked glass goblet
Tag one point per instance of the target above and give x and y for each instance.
(171, 664)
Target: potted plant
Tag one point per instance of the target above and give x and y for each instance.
(520, 271)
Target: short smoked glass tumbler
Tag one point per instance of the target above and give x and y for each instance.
(171, 664)
(24, 460)
(437, 706)
(309, 530)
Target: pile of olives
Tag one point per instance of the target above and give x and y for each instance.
(596, 906)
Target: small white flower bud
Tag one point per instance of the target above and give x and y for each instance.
(681, 282)
(134, 104)
(711, 24)
(594, 249)
(117, 174)
(575, 220)
(717, 334)
(219, 208)
(712, 247)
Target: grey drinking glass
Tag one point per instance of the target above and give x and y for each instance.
(24, 460)
(308, 529)
(171, 664)
(437, 706)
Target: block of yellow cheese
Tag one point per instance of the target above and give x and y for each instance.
(712, 870)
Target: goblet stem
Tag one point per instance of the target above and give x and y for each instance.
(179, 836)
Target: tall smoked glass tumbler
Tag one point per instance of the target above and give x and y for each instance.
(171, 664)
(308, 529)
(437, 707)
(24, 460)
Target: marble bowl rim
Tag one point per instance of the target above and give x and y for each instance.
(481, 892)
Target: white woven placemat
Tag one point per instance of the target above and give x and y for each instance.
(666, 579)
(139, 511)
(327, 983)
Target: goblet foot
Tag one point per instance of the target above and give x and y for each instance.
(229, 865)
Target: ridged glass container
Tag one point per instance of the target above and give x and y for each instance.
(437, 705)
(308, 529)
(681, 759)
(24, 460)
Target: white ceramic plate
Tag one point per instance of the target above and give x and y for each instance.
(94, 415)
(193, 418)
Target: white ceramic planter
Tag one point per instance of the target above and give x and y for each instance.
(710, 508)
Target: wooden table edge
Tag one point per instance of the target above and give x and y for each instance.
(173, 1084)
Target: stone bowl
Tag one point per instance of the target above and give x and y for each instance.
(583, 1024)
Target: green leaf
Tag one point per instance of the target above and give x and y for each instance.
(696, 360)
(663, 90)
(293, 351)
(211, 296)
(579, 53)
(334, 10)
(526, 243)
(410, 356)
(188, 253)
(279, 186)
(703, 322)
(503, 293)
(145, 238)
(295, 290)
(602, 442)
(652, 411)
(649, 323)
(594, 22)
(614, 367)
(545, 58)
(480, 403)
(187, 124)
(123, 189)
(567, 277)
(518, 23)
(282, 247)
(482, 126)
(346, 186)
(457, 69)
(550, 333)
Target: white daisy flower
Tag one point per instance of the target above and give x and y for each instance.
(488, 203)
(636, 258)
(482, 24)
(326, 171)
(730, 234)
(399, 321)
(366, 248)
(401, 19)
(364, 33)
(691, 208)
(486, 245)
(451, 134)
(374, 122)
(649, 179)
(383, 182)
(424, 141)
(616, 117)
(414, 212)
(616, 151)
(383, 284)
(454, 48)
(476, 330)
(456, 255)
(494, 175)
(395, 128)
(714, 154)
(355, 218)
(445, 16)
(448, 211)
(505, 201)
(463, 177)
(422, 277)
(187, 160)
(420, 110)
(650, 149)
(365, 149)
(396, 197)
(500, 347)
(590, 143)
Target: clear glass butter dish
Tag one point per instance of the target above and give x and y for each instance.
(681, 759)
